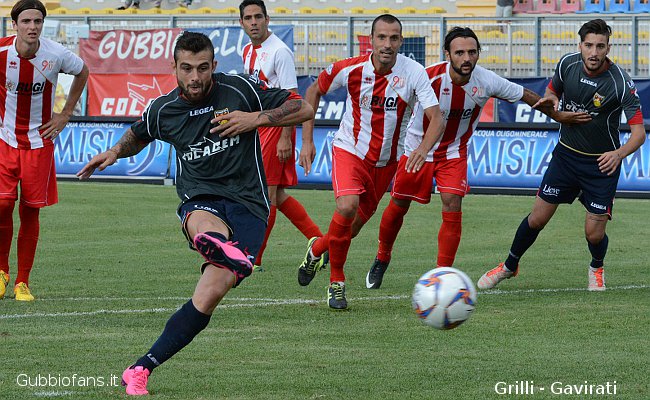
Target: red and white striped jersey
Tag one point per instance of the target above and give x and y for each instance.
(378, 107)
(272, 62)
(461, 108)
(27, 95)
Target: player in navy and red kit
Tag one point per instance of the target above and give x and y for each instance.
(211, 120)
(382, 90)
(29, 69)
(268, 58)
(463, 88)
(586, 162)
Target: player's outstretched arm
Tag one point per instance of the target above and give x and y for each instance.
(308, 150)
(434, 131)
(549, 104)
(128, 145)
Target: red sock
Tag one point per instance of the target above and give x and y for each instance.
(27, 241)
(6, 232)
(269, 228)
(298, 216)
(391, 223)
(321, 245)
(340, 237)
(449, 237)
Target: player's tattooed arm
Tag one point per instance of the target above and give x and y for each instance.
(276, 115)
(128, 145)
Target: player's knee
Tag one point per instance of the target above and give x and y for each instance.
(594, 236)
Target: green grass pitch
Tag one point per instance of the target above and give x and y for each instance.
(112, 266)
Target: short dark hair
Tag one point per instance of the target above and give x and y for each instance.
(247, 3)
(457, 32)
(595, 26)
(387, 18)
(23, 5)
(193, 42)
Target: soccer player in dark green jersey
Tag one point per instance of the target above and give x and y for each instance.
(586, 162)
(211, 120)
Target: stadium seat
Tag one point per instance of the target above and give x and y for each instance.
(282, 10)
(306, 10)
(356, 10)
(522, 6)
(522, 35)
(58, 11)
(328, 10)
(545, 7)
(593, 6)
(405, 10)
(432, 10)
(618, 6)
(641, 6)
(569, 6)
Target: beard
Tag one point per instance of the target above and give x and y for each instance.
(194, 96)
(459, 70)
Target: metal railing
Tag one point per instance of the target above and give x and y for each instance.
(514, 47)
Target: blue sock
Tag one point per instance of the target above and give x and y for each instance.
(598, 252)
(524, 238)
(181, 328)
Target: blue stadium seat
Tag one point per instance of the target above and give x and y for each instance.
(593, 6)
(618, 6)
(641, 6)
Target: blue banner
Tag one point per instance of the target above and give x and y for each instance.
(497, 158)
(81, 141)
(229, 44)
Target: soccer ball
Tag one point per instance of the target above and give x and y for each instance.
(444, 298)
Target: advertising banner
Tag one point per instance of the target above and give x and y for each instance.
(125, 95)
(129, 52)
(512, 158)
(81, 141)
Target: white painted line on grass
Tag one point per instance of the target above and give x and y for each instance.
(258, 302)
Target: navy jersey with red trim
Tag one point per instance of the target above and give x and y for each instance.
(604, 96)
(207, 164)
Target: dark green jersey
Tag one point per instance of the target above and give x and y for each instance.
(207, 164)
(604, 96)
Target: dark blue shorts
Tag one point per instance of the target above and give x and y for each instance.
(246, 229)
(571, 174)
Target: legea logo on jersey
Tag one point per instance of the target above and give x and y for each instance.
(588, 82)
(201, 111)
(208, 147)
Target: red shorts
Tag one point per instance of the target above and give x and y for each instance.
(34, 169)
(277, 173)
(450, 176)
(353, 176)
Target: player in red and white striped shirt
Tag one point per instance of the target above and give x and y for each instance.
(29, 68)
(463, 89)
(382, 90)
(269, 59)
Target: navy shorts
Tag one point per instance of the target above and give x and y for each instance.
(246, 229)
(571, 174)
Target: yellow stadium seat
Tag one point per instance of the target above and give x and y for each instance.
(356, 10)
(177, 10)
(567, 35)
(332, 59)
(227, 10)
(105, 11)
(313, 59)
(306, 10)
(432, 10)
(150, 11)
(82, 11)
(282, 10)
(644, 34)
(409, 34)
(494, 34)
(59, 11)
(405, 10)
(52, 4)
(522, 35)
(300, 59)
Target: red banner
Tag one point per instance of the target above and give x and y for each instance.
(124, 94)
(133, 52)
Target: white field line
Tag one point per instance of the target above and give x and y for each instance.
(246, 302)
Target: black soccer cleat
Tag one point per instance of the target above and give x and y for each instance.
(376, 274)
(336, 296)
